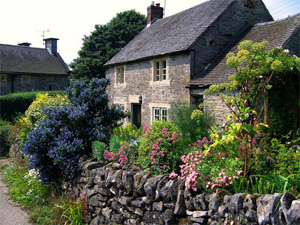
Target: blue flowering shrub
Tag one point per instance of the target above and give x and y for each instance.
(68, 131)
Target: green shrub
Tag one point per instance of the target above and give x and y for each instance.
(98, 149)
(190, 129)
(127, 132)
(6, 138)
(14, 104)
(114, 144)
(160, 148)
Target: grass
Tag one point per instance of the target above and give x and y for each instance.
(42, 206)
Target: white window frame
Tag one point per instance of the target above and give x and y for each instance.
(120, 75)
(160, 114)
(159, 70)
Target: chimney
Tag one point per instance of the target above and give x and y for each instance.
(154, 12)
(51, 45)
(25, 44)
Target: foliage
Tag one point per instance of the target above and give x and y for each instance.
(123, 134)
(130, 131)
(126, 156)
(98, 150)
(73, 210)
(68, 131)
(14, 104)
(114, 143)
(205, 167)
(191, 128)
(25, 186)
(34, 113)
(159, 149)
(255, 67)
(104, 42)
(6, 137)
(26, 189)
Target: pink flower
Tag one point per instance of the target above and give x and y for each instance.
(159, 139)
(173, 175)
(174, 135)
(146, 127)
(163, 167)
(164, 132)
(155, 146)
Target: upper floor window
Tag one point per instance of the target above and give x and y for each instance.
(25, 79)
(160, 70)
(120, 75)
(160, 114)
(3, 78)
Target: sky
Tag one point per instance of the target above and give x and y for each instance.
(69, 20)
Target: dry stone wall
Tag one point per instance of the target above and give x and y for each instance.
(116, 196)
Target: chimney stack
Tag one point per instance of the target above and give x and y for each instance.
(25, 44)
(154, 12)
(51, 45)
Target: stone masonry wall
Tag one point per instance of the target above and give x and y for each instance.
(217, 108)
(139, 82)
(37, 82)
(116, 196)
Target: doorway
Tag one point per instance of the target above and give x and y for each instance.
(136, 117)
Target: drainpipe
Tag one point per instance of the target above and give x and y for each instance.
(12, 82)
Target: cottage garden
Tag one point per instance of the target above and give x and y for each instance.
(257, 150)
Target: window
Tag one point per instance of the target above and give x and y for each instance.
(3, 78)
(25, 79)
(160, 70)
(120, 75)
(160, 114)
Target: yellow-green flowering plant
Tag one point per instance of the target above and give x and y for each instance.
(248, 101)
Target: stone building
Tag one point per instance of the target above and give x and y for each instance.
(23, 68)
(177, 57)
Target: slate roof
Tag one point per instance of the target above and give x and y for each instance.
(28, 60)
(172, 34)
(277, 33)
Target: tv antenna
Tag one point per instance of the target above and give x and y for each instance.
(43, 34)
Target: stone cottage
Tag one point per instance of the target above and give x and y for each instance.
(177, 57)
(23, 68)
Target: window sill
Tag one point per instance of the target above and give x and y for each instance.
(120, 85)
(160, 83)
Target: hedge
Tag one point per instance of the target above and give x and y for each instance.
(14, 104)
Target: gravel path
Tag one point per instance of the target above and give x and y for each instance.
(10, 214)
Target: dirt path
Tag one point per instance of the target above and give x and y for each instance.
(10, 214)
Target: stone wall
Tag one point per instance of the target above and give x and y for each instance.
(116, 196)
(216, 108)
(36, 82)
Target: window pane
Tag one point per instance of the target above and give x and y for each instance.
(122, 75)
(164, 70)
(164, 115)
(156, 113)
(156, 78)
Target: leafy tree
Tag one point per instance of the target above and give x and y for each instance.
(104, 42)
